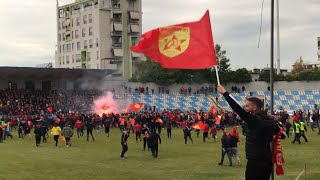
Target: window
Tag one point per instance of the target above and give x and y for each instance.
(72, 58)
(88, 56)
(90, 18)
(85, 19)
(62, 59)
(63, 37)
(98, 56)
(85, 44)
(62, 23)
(59, 48)
(78, 57)
(59, 37)
(78, 45)
(90, 31)
(90, 43)
(72, 47)
(72, 35)
(71, 22)
(64, 48)
(78, 21)
(68, 47)
(76, 34)
(97, 42)
(83, 32)
(67, 59)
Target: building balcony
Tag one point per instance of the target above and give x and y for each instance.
(116, 33)
(117, 45)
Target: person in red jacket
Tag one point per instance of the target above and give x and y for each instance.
(213, 133)
(79, 126)
(137, 129)
(205, 131)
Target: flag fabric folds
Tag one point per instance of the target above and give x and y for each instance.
(182, 46)
(235, 132)
(199, 125)
(277, 153)
(136, 106)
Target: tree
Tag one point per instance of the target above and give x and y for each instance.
(224, 62)
(298, 66)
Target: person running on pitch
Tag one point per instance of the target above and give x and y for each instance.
(187, 133)
(137, 129)
(145, 133)
(124, 139)
(226, 149)
(296, 131)
(169, 127)
(67, 133)
(303, 129)
(55, 131)
(155, 138)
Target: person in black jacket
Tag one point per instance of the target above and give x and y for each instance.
(226, 148)
(89, 125)
(37, 133)
(145, 132)
(261, 129)
(107, 122)
(154, 143)
(124, 138)
(234, 146)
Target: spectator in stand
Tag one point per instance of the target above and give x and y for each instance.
(243, 88)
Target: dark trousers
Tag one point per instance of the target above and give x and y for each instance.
(304, 136)
(144, 143)
(107, 130)
(124, 149)
(258, 170)
(44, 138)
(1, 135)
(68, 141)
(38, 139)
(169, 133)
(197, 132)
(20, 133)
(56, 138)
(186, 136)
(227, 151)
(159, 129)
(296, 138)
(288, 132)
(89, 131)
(205, 135)
(154, 150)
(79, 132)
(138, 135)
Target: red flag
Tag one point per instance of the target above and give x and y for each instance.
(49, 109)
(199, 125)
(181, 46)
(277, 154)
(136, 106)
(105, 107)
(235, 132)
(213, 111)
(218, 120)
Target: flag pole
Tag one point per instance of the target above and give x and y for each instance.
(272, 69)
(217, 75)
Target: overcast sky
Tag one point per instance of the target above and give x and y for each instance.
(28, 28)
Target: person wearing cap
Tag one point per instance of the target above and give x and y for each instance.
(67, 133)
(124, 139)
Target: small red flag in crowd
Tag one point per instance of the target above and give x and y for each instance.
(49, 109)
(136, 106)
(181, 46)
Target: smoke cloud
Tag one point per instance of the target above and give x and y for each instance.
(107, 104)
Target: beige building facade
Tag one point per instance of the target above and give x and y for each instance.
(97, 34)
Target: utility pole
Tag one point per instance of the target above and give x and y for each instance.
(278, 39)
(272, 69)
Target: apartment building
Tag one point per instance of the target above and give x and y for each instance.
(97, 34)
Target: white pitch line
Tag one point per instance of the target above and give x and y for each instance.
(299, 175)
